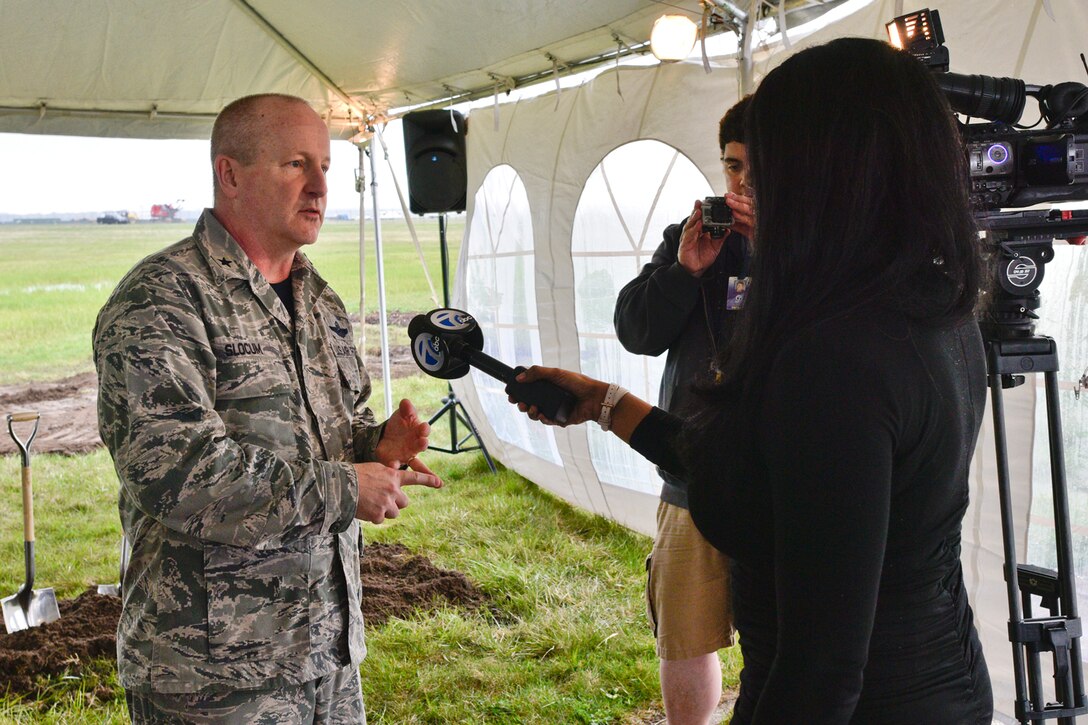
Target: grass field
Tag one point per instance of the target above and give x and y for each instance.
(565, 640)
(55, 278)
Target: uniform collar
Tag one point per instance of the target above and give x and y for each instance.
(227, 260)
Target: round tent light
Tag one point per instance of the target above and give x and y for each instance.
(673, 37)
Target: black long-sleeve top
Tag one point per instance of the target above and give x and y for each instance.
(667, 309)
(845, 533)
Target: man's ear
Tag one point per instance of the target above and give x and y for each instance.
(226, 173)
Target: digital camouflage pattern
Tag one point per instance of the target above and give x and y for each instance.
(331, 700)
(232, 431)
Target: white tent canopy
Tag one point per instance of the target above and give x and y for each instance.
(568, 192)
(151, 69)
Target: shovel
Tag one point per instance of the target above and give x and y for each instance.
(114, 590)
(29, 607)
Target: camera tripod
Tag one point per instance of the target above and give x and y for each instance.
(451, 404)
(1012, 352)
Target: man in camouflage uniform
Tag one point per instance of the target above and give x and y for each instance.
(233, 402)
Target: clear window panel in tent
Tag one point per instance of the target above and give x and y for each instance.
(501, 293)
(634, 193)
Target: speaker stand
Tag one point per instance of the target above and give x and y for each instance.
(451, 405)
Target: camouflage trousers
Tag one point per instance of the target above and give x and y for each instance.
(334, 699)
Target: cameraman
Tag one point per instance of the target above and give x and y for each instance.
(684, 302)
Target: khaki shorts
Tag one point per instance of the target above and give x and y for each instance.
(688, 598)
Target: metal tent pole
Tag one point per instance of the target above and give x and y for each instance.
(387, 379)
(360, 188)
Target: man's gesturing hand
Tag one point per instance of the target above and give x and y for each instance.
(380, 494)
(404, 436)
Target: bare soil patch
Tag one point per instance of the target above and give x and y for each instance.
(68, 407)
(69, 418)
(396, 583)
(86, 630)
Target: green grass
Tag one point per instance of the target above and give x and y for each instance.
(563, 641)
(565, 638)
(55, 278)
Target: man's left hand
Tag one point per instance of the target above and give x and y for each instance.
(404, 437)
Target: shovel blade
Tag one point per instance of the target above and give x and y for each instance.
(110, 590)
(40, 608)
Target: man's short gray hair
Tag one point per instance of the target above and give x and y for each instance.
(238, 131)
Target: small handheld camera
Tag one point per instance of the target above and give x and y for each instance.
(717, 216)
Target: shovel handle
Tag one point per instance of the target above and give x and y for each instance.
(28, 507)
(24, 446)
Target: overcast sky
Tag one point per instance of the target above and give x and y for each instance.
(64, 174)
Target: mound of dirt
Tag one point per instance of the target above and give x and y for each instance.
(396, 583)
(86, 630)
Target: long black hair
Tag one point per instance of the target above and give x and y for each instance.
(860, 189)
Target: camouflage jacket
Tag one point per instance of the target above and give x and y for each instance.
(232, 430)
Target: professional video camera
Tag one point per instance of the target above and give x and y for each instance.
(1012, 166)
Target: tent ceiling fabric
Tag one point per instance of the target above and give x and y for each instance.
(157, 69)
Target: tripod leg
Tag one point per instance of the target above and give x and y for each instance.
(483, 449)
(1035, 670)
(1009, 540)
(1069, 677)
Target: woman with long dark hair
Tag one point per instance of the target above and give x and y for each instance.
(831, 460)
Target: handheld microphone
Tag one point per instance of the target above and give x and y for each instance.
(446, 342)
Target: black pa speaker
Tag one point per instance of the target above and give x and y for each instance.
(434, 151)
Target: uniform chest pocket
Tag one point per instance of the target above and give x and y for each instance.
(352, 380)
(250, 377)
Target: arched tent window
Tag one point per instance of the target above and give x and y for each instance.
(500, 292)
(634, 193)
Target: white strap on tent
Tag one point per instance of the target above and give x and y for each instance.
(407, 217)
(747, 82)
(782, 26)
(619, 50)
(702, 36)
(505, 83)
(555, 75)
